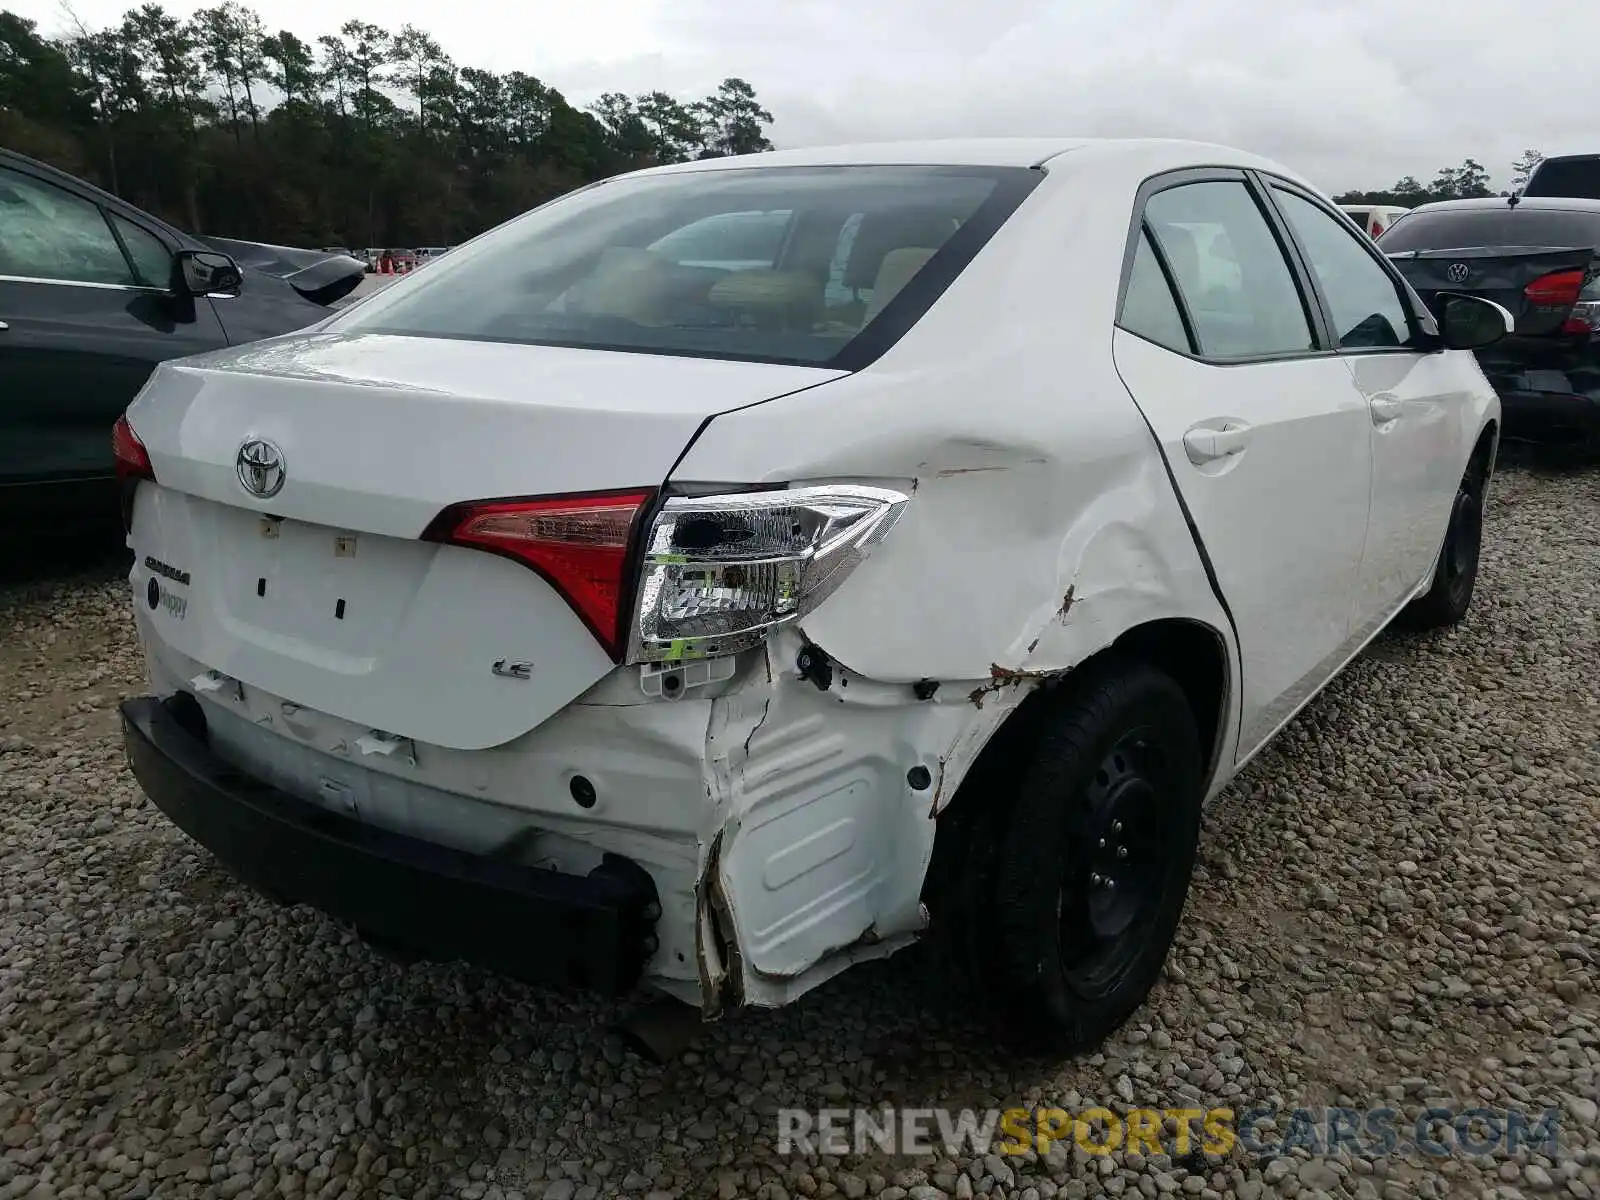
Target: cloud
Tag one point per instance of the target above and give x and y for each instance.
(1355, 92)
(1349, 92)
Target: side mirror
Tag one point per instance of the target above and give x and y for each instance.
(1471, 322)
(203, 272)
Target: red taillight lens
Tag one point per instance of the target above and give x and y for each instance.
(133, 460)
(132, 465)
(1558, 287)
(1584, 320)
(580, 544)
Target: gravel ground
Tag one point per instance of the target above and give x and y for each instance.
(1398, 902)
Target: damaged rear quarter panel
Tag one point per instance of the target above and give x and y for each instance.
(1042, 526)
(824, 836)
(1014, 505)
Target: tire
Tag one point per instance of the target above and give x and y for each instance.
(1064, 954)
(1447, 600)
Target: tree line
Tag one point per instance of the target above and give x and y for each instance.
(367, 136)
(1468, 181)
(361, 137)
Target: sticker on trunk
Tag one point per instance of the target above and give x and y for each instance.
(159, 597)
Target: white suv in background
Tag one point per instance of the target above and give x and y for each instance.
(618, 618)
(1374, 218)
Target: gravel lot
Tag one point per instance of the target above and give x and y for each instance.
(1398, 902)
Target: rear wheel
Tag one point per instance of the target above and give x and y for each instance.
(1454, 579)
(1075, 888)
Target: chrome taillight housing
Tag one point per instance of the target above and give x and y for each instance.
(718, 572)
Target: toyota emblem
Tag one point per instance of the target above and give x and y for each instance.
(1457, 273)
(260, 465)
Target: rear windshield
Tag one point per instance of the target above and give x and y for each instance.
(1447, 230)
(810, 265)
(1565, 177)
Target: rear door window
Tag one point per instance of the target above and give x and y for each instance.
(1236, 283)
(1148, 306)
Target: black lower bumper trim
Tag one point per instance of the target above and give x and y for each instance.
(1553, 419)
(592, 931)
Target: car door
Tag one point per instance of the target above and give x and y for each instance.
(84, 318)
(1264, 436)
(1421, 404)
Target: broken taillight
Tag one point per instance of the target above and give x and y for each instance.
(714, 574)
(579, 544)
(1556, 288)
(132, 463)
(719, 572)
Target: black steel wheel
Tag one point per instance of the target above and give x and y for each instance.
(1091, 869)
(1456, 577)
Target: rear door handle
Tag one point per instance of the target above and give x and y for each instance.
(1204, 444)
(1384, 408)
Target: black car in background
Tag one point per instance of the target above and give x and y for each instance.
(1540, 259)
(1566, 176)
(94, 293)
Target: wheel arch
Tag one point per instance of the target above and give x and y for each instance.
(1194, 654)
(1487, 449)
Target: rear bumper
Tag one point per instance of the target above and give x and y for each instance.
(1553, 418)
(593, 931)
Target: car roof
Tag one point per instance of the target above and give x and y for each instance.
(1534, 203)
(982, 152)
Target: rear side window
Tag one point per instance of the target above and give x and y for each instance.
(767, 264)
(1148, 306)
(1501, 225)
(1236, 284)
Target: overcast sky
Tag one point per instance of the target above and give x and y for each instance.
(1354, 93)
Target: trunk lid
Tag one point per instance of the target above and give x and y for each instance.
(1498, 273)
(322, 594)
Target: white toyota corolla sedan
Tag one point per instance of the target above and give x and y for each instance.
(736, 570)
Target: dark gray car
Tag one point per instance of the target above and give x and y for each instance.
(94, 293)
(1540, 259)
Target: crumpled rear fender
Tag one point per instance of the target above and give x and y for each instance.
(1040, 532)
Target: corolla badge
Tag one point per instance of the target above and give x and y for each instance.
(1457, 272)
(260, 465)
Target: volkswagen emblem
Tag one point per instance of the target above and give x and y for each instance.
(1457, 273)
(260, 466)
